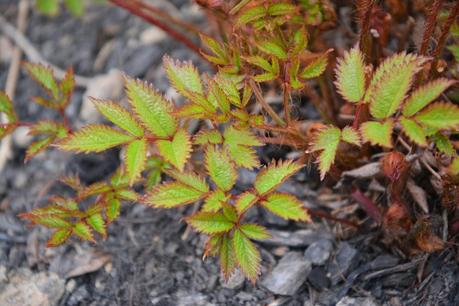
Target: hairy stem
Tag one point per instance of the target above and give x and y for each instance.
(365, 8)
(430, 25)
(265, 104)
(135, 10)
(367, 204)
(443, 36)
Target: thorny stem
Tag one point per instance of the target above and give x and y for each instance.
(265, 104)
(444, 34)
(135, 10)
(287, 103)
(430, 26)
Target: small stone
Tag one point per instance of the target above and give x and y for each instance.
(289, 274)
(350, 301)
(20, 180)
(300, 238)
(152, 35)
(236, 281)
(32, 289)
(346, 255)
(21, 137)
(318, 278)
(319, 252)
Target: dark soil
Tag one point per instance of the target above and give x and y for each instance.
(150, 258)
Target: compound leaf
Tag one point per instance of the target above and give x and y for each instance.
(45, 77)
(424, 95)
(247, 255)
(440, 116)
(378, 133)
(414, 131)
(274, 175)
(227, 257)
(245, 201)
(136, 156)
(184, 77)
(210, 223)
(94, 138)
(220, 168)
(190, 179)
(176, 151)
(96, 221)
(119, 116)
(151, 108)
(82, 230)
(286, 206)
(59, 237)
(327, 141)
(172, 194)
(350, 75)
(254, 231)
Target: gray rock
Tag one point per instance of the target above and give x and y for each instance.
(300, 238)
(26, 288)
(350, 301)
(21, 137)
(236, 281)
(319, 252)
(346, 255)
(289, 274)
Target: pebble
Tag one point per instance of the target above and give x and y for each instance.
(350, 301)
(289, 274)
(21, 137)
(236, 281)
(152, 35)
(300, 238)
(26, 288)
(346, 255)
(319, 251)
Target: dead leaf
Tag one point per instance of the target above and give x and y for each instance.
(418, 194)
(367, 171)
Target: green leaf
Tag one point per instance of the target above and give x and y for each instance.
(76, 7)
(391, 90)
(350, 135)
(444, 145)
(83, 231)
(217, 49)
(208, 137)
(94, 138)
(218, 97)
(135, 158)
(48, 7)
(6, 107)
(67, 86)
(176, 151)
(45, 77)
(453, 168)
(286, 206)
(378, 133)
(96, 221)
(327, 141)
(316, 67)
(259, 61)
(439, 115)
(113, 209)
(414, 131)
(350, 75)
(280, 9)
(229, 88)
(190, 179)
(220, 168)
(247, 255)
(151, 108)
(119, 116)
(254, 231)
(227, 257)
(251, 15)
(274, 175)
(424, 95)
(59, 237)
(272, 48)
(300, 41)
(210, 223)
(264, 77)
(183, 77)
(244, 157)
(172, 194)
(49, 128)
(454, 49)
(237, 142)
(37, 147)
(245, 201)
(214, 202)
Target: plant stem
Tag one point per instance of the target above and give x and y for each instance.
(365, 8)
(430, 26)
(443, 36)
(265, 104)
(367, 204)
(286, 103)
(135, 10)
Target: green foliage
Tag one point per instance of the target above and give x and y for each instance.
(350, 76)
(51, 7)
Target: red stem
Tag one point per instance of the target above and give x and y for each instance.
(135, 10)
(430, 26)
(367, 204)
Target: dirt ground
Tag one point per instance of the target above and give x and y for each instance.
(150, 258)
